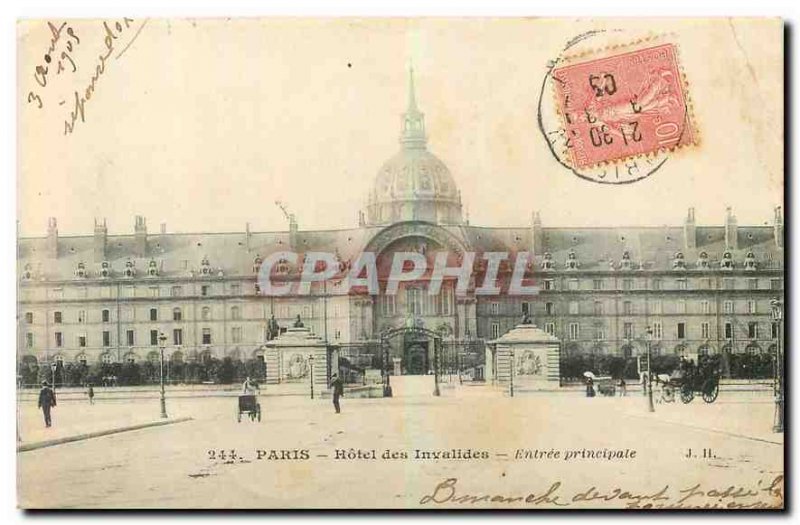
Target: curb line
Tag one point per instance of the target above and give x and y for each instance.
(81, 437)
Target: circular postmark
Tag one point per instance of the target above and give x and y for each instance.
(615, 114)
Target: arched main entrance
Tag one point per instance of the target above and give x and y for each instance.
(412, 354)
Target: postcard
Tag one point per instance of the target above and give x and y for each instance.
(400, 263)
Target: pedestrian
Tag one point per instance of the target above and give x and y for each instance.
(589, 387)
(47, 400)
(249, 386)
(91, 394)
(623, 387)
(338, 391)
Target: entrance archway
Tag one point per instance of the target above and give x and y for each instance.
(419, 359)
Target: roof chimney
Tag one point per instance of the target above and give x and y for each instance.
(52, 237)
(778, 227)
(538, 234)
(100, 240)
(140, 234)
(690, 231)
(731, 230)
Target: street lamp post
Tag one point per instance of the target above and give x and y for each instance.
(311, 368)
(649, 335)
(436, 391)
(162, 343)
(777, 316)
(53, 367)
(511, 371)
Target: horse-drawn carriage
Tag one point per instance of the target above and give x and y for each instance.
(248, 404)
(689, 380)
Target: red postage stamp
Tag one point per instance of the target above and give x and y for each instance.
(623, 106)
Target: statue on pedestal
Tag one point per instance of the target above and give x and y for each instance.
(526, 318)
(298, 323)
(272, 328)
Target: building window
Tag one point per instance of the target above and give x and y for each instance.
(627, 284)
(728, 331)
(681, 306)
(751, 307)
(236, 312)
(776, 284)
(176, 291)
(705, 307)
(388, 305)
(728, 284)
(59, 339)
(236, 334)
(549, 308)
(599, 333)
(657, 308)
(57, 317)
(573, 284)
(549, 284)
(682, 284)
(106, 315)
(177, 314)
(598, 308)
(627, 330)
(658, 330)
(82, 341)
(597, 284)
(29, 340)
(656, 284)
(495, 330)
(308, 313)
(204, 290)
(752, 284)
(704, 331)
(550, 328)
(153, 337)
(681, 330)
(774, 330)
(81, 316)
(573, 308)
(206, 336)
(495, 308)
(752, 330)
(107, 358)
(154, 291)
(106, 338)
(236, 289)
(205, 313)
(574, 331)
(728, 307)
(154, 314)
(177, 336)
(627, 308)
(129, 337)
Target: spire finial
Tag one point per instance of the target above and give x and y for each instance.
(413, 135)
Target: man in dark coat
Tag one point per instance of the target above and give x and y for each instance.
(47, 399)
(338, 390)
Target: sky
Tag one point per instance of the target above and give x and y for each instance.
(204, 124)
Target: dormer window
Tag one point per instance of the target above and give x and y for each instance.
(152, 268)
(702, 261)
(727, 261)
(678, 262)
(27, 272)
(80, 271)
(282, 268)
(547, 263)
(626, 263)
(257, 264)
(572, 261)
(130, 271)
(105, 270)
(750, 261)
(205, 266)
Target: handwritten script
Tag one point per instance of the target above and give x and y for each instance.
(762, 495)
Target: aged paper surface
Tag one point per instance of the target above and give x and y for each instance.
(400, 263)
